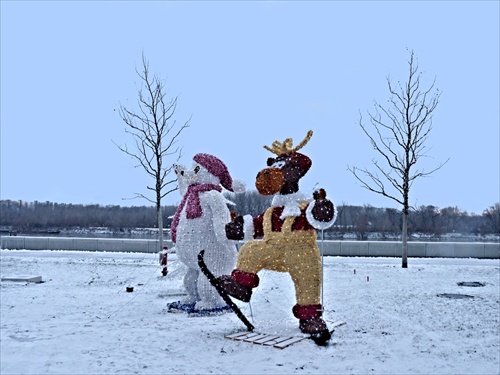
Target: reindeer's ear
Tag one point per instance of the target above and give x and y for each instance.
(302, 161)
(270, 161)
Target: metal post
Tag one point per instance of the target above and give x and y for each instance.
(322, 245)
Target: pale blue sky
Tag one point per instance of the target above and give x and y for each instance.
(248, 73)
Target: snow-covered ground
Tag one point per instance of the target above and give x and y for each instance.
(81, 320)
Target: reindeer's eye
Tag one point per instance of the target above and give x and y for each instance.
(278, 164)
(196, 169)
(182, 173)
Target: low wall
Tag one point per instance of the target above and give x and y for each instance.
(330, 248)
(415, 249)
(81, 244)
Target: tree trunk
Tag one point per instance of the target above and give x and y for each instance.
(160, 227)
(158, 197)
(405, 238)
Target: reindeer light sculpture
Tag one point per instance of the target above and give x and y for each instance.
(288, 232)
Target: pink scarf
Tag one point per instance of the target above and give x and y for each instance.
(193, 209)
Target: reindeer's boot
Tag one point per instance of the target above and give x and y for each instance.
(312, 325)
(239, 285)
(310, 322)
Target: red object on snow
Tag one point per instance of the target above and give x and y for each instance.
(164, 260)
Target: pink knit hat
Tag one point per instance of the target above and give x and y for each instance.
(216, 167)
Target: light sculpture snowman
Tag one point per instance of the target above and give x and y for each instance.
(199, 224)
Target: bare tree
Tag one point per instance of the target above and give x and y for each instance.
(399, 134)
(250, 202)
(492, 215)
(155, 133)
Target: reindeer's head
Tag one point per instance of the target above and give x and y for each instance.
(283, 172)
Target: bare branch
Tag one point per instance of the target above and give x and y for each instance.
(378, 186)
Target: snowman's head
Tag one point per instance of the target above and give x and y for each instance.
(183, 177)
(200, 175)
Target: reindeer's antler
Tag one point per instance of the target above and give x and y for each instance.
(304, 141)
(285, 147)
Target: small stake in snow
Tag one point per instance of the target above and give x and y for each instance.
(367, 278)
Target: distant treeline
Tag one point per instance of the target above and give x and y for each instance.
(358, 220)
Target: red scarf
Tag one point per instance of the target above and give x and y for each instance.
(193, 209)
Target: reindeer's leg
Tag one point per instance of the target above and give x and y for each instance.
(305, 269)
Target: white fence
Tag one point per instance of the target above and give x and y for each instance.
(330, 248)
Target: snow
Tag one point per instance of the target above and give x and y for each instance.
(81, 320)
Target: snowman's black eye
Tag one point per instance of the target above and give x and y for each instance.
(197, 169)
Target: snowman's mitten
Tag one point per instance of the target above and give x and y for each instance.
(234, 229)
